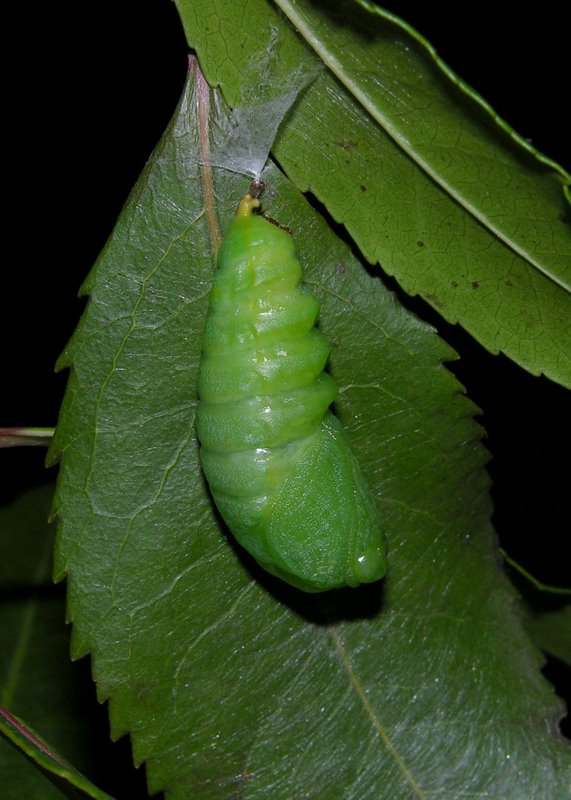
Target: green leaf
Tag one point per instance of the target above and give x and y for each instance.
(37, 680)
(551, 630)
(231, 683)
(26, 542)
(69, 782)
(547, 616)
(428, 181)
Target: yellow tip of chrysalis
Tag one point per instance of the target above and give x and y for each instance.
(246, 206)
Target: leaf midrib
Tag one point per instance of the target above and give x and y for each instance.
(366, 102)
(375, 721)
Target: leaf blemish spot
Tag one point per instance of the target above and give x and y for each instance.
(346, 145)
(436, 301)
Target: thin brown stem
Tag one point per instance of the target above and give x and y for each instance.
(204, 137)
(25, 437)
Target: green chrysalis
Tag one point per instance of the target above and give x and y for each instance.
(277, 461)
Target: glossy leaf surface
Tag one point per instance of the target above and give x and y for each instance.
(427, 180)
(230, 684)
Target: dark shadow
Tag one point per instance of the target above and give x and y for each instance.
(318, 608)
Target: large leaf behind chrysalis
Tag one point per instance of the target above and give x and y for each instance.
(426, 179)
(231, 683)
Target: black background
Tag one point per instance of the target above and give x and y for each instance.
(89, 90)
